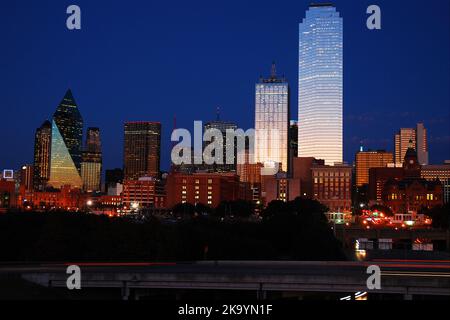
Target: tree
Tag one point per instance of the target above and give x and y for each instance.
(277, 208)
(237, 208)
(184, 210)
(440, 216)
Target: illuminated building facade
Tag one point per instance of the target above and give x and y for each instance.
(142, 150)
(412, 137)
(332, 186)
(280, 187)
(441, 172)
(91, 166)
(146, 192)
(42, 153)
(207, 188)
(66, 199)
(26, 177)
(409, 188)
(365, 160)
(411, 195)
(422, 144)
(67, 134)
(272, 121)
(320, 101)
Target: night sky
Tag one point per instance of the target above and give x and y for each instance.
(152, 60)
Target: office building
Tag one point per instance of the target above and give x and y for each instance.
(364, 160)
(229, 143)
(320, 100)
(272, 121)
(142, 150)
(412, 137)
(439, 172)
(67, 134)
(26, 177)
(145, 192)
(332, 186)
(42, 153)
(91, 166)
(206, 188)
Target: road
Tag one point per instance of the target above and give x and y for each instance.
(406, 277)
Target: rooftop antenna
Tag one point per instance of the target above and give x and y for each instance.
(273, 74)
(218, 113)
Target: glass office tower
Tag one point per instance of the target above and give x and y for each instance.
(42, 152)
(142, 150)
(91, 166)
(222, 126)
(272, 121)
(320, 112)
(67, 134)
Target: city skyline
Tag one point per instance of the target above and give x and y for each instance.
(356, 121)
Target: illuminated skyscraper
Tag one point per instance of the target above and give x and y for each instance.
(26, 178)
(142, 150)
(320, 103)
(42, 148)
(272, 121)
(422, 144)
(91, 166)
(418, 139)
(67, 134)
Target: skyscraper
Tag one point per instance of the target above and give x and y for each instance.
(42, 149)
(142, 149)
(417, 137)
(26, 178)
(223, 126)
(91, 165)
(320, 102)
(422, 144)
(272, 120)
(293, 142)
(67, 134)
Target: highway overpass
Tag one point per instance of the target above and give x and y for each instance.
(405, 278)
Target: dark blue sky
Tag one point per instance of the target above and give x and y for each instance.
(150, 60)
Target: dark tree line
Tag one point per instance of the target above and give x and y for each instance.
(440, 216)
(297, 230)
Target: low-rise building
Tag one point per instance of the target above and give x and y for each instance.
(206, 188)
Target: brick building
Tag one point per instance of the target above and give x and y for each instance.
(206, 188)
(146, 192)
(332, 186)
